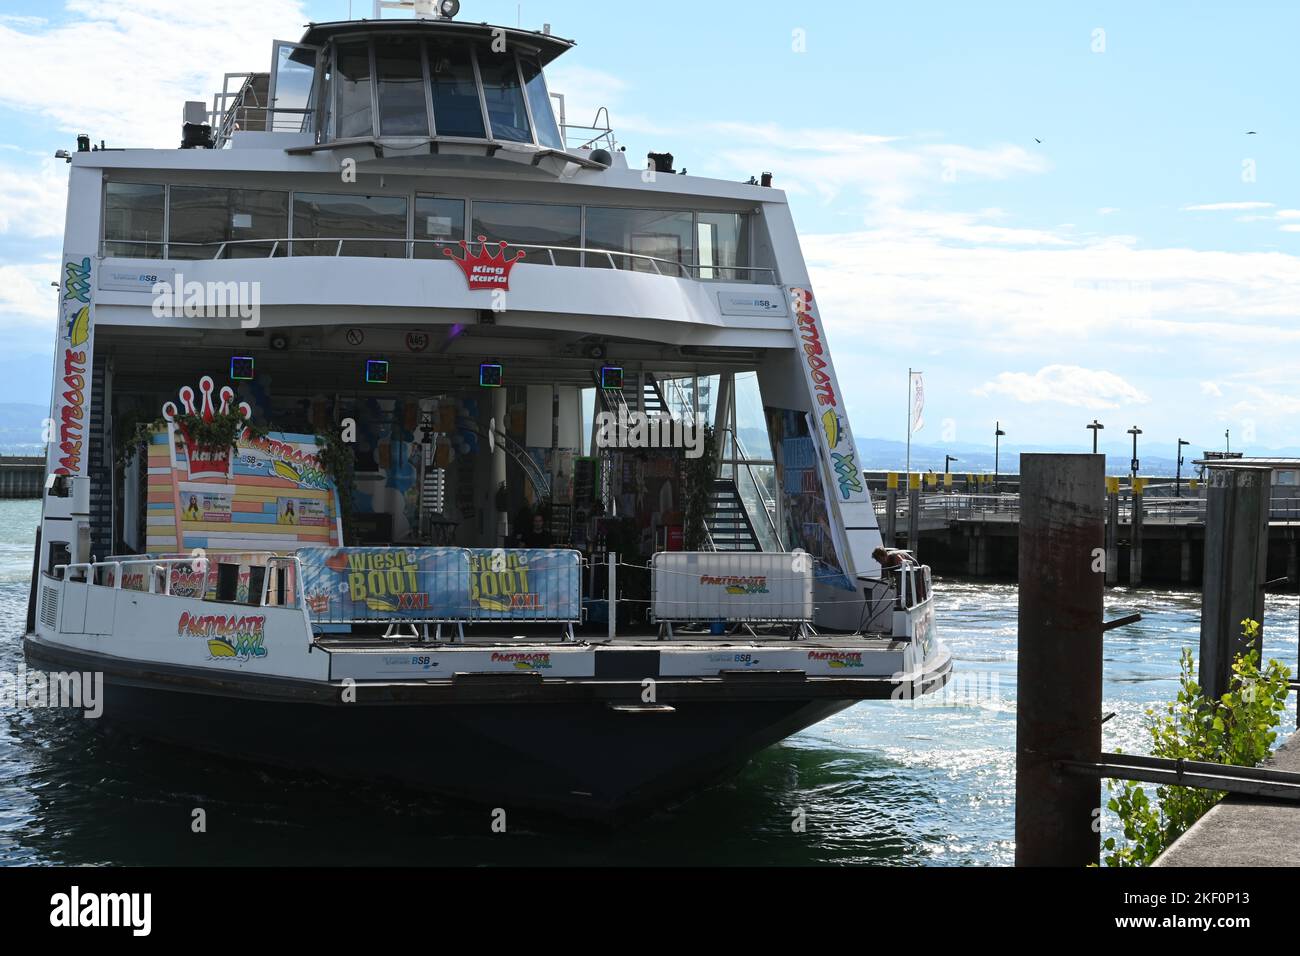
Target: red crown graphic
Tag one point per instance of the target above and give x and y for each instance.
(205, 462)
(485, 270)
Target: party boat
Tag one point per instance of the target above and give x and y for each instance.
(407, 431)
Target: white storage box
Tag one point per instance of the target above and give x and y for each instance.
(734, 587)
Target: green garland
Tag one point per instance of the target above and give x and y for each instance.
(339, 461)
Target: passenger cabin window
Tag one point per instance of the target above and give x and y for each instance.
(724, 244)
(247, 222)
(352, 80)
(402, 107)
(441, 220)
(663, 235)
(133, 220)
(504, 95)
(327, 219)
(457, 110)
(532, 224)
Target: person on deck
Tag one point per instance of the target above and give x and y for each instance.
(537, 538)
(890, 559)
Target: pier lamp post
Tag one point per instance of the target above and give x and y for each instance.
(1178, 477)
(998, 435)
(947, 461)
(1135, 465)
(1095, 428)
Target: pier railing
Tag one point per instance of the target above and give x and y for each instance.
(942, 507)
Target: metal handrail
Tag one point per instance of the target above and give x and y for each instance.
(679, 267)
(155, 565)
(764, 500)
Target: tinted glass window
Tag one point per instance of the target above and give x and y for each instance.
(202, 218)
(402, 109)
(330, 218)
(724, 242)
(438, 219)
(456, 107)
(133, 220)
(352, 80)
(548, 131)
(659, 233)
(531, 224)
(295, 74)
(505, 98)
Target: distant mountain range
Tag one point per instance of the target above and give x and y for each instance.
(20, 428)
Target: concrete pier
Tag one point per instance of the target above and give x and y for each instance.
(1244, 831)
(21, 477)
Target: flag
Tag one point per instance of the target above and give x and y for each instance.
(918, 402)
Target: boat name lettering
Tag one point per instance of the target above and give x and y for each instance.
(228, 637)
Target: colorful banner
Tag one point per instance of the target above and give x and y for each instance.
(428, 585)
(809, 516)
(525, 585)
(833, 431)
(346, 585)
(68, 442)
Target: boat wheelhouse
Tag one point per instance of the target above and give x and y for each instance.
(394, 391)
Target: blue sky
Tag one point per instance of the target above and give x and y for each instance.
(1140, 265)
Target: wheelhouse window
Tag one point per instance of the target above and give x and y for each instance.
(457, 110)
(327, 219)
(247, 222)
(295, 78)
(441, 220)
(402, 108)
(539, 100)
(352, 81)
(134, 216)
(504, 95)
(663, 235)
(532, 224)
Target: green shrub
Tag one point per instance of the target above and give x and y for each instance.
(1238, 729)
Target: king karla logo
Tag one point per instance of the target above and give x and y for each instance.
(204, 462)
(485, 270)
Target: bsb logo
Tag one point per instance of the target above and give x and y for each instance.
(485, 270)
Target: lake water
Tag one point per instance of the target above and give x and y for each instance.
(925, 783)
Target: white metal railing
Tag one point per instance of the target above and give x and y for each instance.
(158, 576)
(671, 268)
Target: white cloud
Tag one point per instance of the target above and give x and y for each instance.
(34, 199)
(122, 71)
(1066, 385)
(1228, 206)
(26, 294)
(1212, 389)
(1107, 210)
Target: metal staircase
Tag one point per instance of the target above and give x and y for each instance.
(729, 526)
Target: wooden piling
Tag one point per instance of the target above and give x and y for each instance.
(1236, 558)
(1112, 531)
(1058, 673)
(1135, 543)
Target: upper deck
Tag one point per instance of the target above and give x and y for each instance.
(371, 150)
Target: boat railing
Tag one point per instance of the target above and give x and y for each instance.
(279, 583)
(579, 256)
